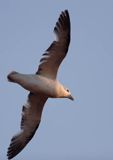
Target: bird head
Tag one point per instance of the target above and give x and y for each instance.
(68, 94)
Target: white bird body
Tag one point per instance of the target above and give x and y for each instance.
(38, 84)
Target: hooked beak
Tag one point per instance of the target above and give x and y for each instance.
(70, 97)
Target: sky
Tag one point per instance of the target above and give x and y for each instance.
(69, 130)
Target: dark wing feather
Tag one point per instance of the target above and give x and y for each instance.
(54, 55)
(31, 116)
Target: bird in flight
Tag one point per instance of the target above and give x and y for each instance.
(41, 85)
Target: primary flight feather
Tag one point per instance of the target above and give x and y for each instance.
(42, 85)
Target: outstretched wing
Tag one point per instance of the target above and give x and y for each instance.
(54, 55)
(31, 116)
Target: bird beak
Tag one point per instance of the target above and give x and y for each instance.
(70, 97)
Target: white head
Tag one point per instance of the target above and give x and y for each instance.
(68, 94)
(64, 92)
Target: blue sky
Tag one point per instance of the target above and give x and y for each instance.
(83, 129)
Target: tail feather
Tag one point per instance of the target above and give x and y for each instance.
(10, 76)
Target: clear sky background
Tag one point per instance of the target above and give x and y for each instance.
(83, 129)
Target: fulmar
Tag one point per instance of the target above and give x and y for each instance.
(41, 85)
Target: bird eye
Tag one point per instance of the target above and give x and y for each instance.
(67, 90)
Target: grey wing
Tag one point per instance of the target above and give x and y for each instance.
(31, 116)
(54, 55)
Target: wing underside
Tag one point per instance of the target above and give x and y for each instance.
(31, 117)
(56, 52)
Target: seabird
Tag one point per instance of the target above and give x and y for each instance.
(41, 85)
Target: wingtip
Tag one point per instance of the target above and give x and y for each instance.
(63, 22)
(66, 12)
